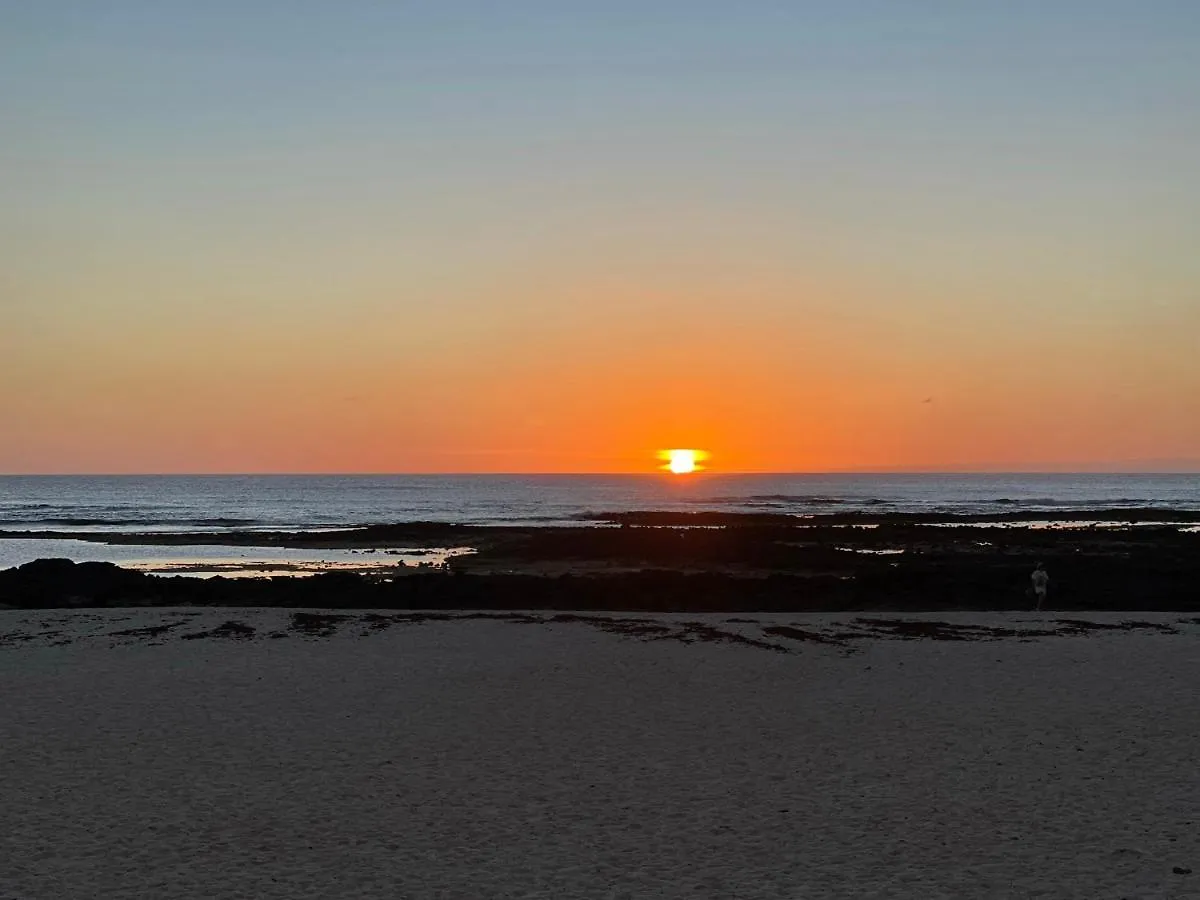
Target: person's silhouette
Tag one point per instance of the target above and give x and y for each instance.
(1041, 581)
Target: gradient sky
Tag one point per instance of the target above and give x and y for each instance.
(556, 236)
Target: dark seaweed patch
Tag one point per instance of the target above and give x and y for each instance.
(1079, 626)
(375, 622)
(799, 634)
(630, 627)
(317, 624)
(912, 630)
(698, 631)
(229, 630)
(148, 631)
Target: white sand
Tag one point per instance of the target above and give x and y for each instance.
(485, 759)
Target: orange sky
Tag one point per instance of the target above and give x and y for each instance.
(594, 381)
(801, 237)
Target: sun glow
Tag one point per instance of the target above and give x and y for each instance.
(682, 461)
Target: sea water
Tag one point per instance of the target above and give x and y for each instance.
(208, 502)
(175, 503)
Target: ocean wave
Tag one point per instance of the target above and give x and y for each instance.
(1082, 503)
(141, 520)
(789, 500)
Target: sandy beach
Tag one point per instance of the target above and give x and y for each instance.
(229, 753)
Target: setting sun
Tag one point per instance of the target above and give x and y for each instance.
(682, 461)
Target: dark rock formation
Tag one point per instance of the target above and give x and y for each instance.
(748, 567)
(59, 582)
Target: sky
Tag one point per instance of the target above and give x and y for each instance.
(369, 236)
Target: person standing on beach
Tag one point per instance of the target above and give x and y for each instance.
(1041, 580)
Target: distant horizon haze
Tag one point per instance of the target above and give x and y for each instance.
(1143, 467)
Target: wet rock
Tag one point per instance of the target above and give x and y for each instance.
(51, 583)
(731, 565)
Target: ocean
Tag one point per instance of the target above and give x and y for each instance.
(247, 502)
(207, 502)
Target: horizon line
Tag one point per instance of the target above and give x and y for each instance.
(649, 474)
